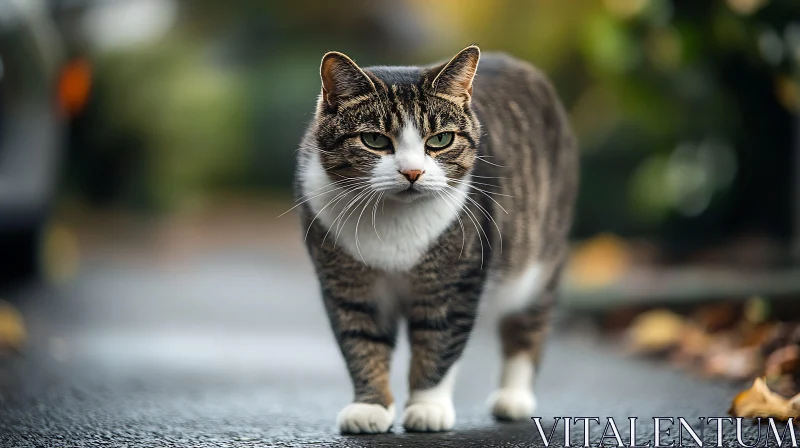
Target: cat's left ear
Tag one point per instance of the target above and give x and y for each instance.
(455, 77)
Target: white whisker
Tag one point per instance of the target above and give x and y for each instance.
(490, 163)
(338, 182)
(486, 177)
(358, 221)
(485, 193)
(338, 217)
(470, 184)
(374, 212)
(354, 205)
(485, 213)
(338, 185)
(489, 216)
(474, 223)
(313, 197)
(460, 223)
(479, 183)
(336, 199)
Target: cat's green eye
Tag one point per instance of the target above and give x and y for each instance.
(440, 141)
(375, 140)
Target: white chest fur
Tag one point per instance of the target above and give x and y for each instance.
(400, 232)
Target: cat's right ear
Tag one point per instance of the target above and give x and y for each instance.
(342, 78)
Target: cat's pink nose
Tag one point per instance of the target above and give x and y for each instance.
(412, 175)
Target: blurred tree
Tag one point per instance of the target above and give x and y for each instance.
(675, 103)
(165, 127)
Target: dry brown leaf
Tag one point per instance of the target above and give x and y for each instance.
(695, 341)
(600, 261)
(12, 328)
(717, 316)
(783, 385)
(784, 360)
(694, 345)
(752, 335)
(655, 331)
(618, 320)
(759, 401)
(739, 363)
(781, 335)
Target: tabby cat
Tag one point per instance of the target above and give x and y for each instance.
(425, 190)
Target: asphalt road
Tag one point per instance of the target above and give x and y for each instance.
(233, 350)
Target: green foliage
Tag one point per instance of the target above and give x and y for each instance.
(188, 115)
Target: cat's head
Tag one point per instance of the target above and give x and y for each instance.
(409, 132)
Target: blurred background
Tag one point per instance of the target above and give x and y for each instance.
(147, 149)
(147, 110)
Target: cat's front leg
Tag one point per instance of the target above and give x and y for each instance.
(440, 320)
(366, 339)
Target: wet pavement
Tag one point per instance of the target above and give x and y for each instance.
(232, 349)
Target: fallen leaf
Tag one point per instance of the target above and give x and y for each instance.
(717, 316)
(760, 401)
(781, 335)
(783, 385)
(618, 320)
(751, 335)
(655, 331)
(12, 328)
(599, 262)
(734, 364)
(694, 344)
(784, 360)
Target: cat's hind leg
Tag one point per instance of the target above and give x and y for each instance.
(522, 336)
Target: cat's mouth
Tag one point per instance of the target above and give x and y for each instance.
(409, 194)
(410, 191)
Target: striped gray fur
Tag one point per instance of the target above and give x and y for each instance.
(511, 139)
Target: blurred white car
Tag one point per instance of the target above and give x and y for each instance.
(31, 127)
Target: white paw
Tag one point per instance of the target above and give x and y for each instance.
(429, 416)
(512, 404)
(364, 418)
